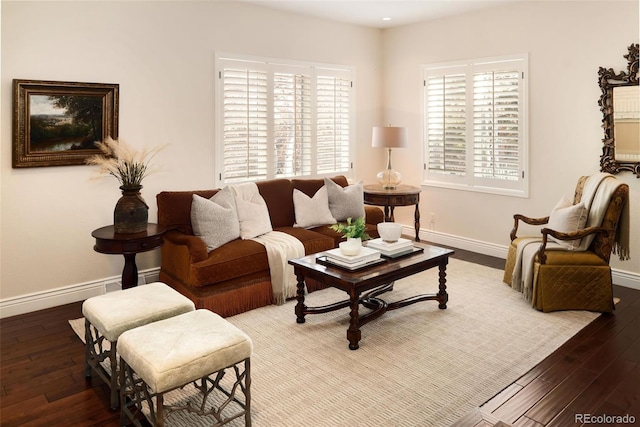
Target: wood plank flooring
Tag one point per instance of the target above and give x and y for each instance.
(42, 379)
(595, 373)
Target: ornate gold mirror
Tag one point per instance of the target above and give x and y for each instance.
(620, 106)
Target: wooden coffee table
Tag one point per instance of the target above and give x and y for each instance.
(375, 279)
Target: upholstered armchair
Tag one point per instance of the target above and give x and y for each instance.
(566, 267)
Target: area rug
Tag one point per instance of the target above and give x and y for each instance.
(415, 366)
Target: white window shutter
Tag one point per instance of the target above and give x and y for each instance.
(446, 122)
(245, 124)
(332, 124)
(292, 124)
(496, 121)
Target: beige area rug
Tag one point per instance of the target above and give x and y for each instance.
(416, 366)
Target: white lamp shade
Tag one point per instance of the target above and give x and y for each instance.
(390, 137)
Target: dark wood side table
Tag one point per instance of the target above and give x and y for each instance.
(402, 195)
(110, 242)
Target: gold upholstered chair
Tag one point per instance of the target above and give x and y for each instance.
(568, 269)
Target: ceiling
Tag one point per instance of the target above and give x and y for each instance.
(371, 13)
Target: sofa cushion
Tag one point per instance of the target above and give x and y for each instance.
(372, 231)
(345, 202)
(312, 211)
(312, 241)
(278, 195)
(215, 220)
(235, 259)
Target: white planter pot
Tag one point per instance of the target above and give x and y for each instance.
(351, 247)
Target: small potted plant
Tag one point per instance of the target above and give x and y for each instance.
(355, 231)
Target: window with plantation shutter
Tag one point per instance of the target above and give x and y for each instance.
(474, 125)
(332, 124)
(281, 120)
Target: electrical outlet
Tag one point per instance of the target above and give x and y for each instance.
(433, 217)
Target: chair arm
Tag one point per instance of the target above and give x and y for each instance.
(195, 245)
(579, 234)
(527, 220)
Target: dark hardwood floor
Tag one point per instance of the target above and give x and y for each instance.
(597, 372)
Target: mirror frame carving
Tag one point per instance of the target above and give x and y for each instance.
(608, 79)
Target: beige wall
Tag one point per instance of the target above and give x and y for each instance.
(162, 55)
(566, 42)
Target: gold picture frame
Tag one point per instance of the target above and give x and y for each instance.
(58, 123)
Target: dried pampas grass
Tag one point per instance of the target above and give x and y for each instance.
(122, 161)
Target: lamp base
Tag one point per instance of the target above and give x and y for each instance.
(389, 179)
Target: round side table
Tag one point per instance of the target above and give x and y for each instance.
(402, 195)
(128, 245)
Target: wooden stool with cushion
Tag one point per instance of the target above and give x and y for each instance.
(108, 316)
(196, 347)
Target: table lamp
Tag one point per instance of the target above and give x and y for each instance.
(389, 137)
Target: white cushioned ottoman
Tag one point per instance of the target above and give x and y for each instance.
(108, 316)
(174, 352)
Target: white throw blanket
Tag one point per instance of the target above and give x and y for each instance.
(522, 279)
(596, 195)
(281, 247)
(255, 224)
(599, 203)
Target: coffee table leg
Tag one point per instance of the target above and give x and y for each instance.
(353, 333)
(300, 307)
(443, 297)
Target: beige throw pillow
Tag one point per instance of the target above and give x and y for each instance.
(312, 211)
(253, 213)
(347, 202)
(215, 220)
(567, 218)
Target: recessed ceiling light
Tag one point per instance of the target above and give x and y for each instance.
(386, 18)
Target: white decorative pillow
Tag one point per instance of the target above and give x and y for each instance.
(347, 202)
(215, 220)
(567, 218)
(312, 211)
(253, 213)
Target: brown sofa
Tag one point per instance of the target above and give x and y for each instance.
(234, 278)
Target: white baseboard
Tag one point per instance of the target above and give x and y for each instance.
(485, 248)
(625, 278)
(619, 277)
(68, 294)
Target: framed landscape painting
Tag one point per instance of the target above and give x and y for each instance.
(58, 123)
